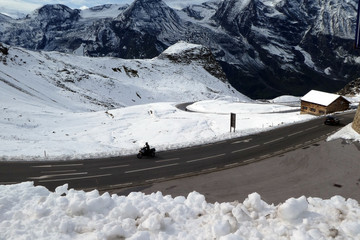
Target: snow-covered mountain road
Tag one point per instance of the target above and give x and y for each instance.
(122, 172)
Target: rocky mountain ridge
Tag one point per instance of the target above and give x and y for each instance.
(267, 48)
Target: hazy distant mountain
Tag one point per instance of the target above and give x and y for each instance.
(266, 47)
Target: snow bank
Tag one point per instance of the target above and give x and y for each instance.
(347, 133)
(29, 212)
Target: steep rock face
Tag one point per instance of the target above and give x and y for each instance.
(267, 48)
(296, 43)
(185, 53)
(334, 18)
(351, 89)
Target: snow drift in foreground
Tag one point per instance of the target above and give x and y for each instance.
(28, 212)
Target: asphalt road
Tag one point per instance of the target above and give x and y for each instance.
(129, 173)
(322, 169)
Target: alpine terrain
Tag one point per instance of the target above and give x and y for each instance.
(267, 48)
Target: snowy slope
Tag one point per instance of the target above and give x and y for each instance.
(80, 83)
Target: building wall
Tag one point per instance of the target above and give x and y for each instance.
(312, 108)
(356, 123)
(339, 104)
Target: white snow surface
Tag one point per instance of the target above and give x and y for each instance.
(286, 99)
(347, 133)
(33, 212)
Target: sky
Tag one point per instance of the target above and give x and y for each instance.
(22, 7)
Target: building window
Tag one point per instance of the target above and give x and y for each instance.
(313, 109)
(304, 108)
(321, 111)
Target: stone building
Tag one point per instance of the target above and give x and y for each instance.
(321, 103)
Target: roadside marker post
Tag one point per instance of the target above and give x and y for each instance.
(232, 122)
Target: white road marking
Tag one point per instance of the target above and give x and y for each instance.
(311, 128)
(292, 134)
(4, 183)
(76, 178)
(245, 149)
(167, 160)
(115, 166)
(58, 165)
(182, 175)
(249, 160)
(242, 141)
(279, 152)
(209, 169)
(205, 158)
(275, 140)
(59, 171)
(155, 179)
(232, 165)
(57, 175)
(151, 168)
(121, 185)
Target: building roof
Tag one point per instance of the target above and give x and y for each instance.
(321, 98)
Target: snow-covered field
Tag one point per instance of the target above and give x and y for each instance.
(29, 134)
(57, 106)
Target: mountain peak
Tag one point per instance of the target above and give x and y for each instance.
(54, 12)
(153, 17)
(149, 11)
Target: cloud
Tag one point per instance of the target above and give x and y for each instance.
(27, 6)
(19, 6)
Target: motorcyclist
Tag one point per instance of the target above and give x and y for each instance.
(147, 147)
(146, 151)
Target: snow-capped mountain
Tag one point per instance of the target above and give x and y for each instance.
(81, 83)
(266, 47)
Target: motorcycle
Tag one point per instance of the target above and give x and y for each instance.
(144, 152)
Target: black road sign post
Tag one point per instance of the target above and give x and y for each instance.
(232, 122)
